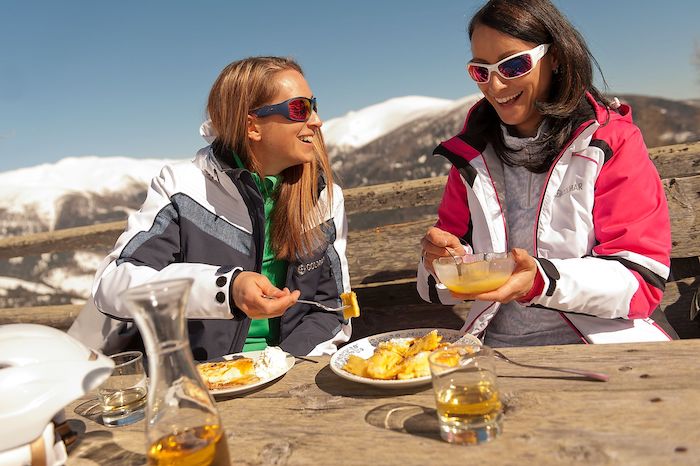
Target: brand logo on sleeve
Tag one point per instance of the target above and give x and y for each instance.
(569, 189)
(303, 268)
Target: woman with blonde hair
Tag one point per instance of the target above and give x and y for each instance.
(255, 220)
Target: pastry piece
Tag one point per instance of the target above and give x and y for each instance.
(225, 374)
(356, 365)
(449, 358)
(428, 342)
(397, 345)
(415, 366)
(350, 299)
(384, 364)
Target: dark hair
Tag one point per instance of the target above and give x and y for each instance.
(539, 22)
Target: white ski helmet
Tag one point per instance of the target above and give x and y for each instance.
(42, 370)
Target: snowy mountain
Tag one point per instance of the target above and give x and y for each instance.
(664, 121)
(405, 152)
(358, 128)
(389, 141)
(45, 192)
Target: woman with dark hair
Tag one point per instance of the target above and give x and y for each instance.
(254, 215)
(544, 167)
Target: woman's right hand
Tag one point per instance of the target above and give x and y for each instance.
(434, 245)
(248, 289)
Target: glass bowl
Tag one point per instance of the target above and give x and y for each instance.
(474, 273)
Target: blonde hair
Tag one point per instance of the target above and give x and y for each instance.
(241, 87)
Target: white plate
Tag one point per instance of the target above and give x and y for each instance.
(254, 355)
(364, 348)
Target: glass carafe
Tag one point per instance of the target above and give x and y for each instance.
(183, 426)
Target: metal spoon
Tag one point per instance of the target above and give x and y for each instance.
(457, 262)
(588, 374)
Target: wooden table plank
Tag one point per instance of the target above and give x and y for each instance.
(646, 414)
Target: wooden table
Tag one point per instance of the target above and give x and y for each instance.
(647, 414)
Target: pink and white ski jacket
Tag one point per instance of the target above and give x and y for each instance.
(602, 235)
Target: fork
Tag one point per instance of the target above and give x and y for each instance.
(314, 303)
(323, 306)
(588, 374)
(468, 339)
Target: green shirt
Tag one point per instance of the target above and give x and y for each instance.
(266, 332)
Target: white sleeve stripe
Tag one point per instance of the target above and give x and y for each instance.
(651, 265)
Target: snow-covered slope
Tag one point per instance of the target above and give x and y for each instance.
(360, 127)
(38, 188)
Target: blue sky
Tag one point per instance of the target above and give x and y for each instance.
(130, 78)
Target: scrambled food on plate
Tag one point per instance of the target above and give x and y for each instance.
(243, 370)
(398, 358)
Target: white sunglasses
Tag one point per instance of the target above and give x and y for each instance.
(511, 67)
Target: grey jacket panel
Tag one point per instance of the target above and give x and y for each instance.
(318, 279)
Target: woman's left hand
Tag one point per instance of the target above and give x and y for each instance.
(518, 285)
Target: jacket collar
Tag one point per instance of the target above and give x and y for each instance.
(207, 161)
(471, 143)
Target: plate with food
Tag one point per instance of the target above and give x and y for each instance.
(242, 372)
(393, 359)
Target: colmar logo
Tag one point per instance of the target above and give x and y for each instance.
(569, 189)
(303, 268)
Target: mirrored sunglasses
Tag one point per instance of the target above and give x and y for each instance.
(294, 109)
(511, 67)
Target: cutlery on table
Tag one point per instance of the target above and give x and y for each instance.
(588, 374)
(469, 339)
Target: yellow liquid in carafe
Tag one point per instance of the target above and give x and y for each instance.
(199, 446)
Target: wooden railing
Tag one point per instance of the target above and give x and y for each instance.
(383, 259)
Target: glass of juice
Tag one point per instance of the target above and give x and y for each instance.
(466, 393)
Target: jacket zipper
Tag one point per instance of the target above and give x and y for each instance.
(583, 127)
(500, 207)
(258, 234)
(257, 213)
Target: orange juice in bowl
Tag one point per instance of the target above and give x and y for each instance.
(474, 273)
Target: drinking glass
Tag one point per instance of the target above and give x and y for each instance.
(466, 393)
(123, 394)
